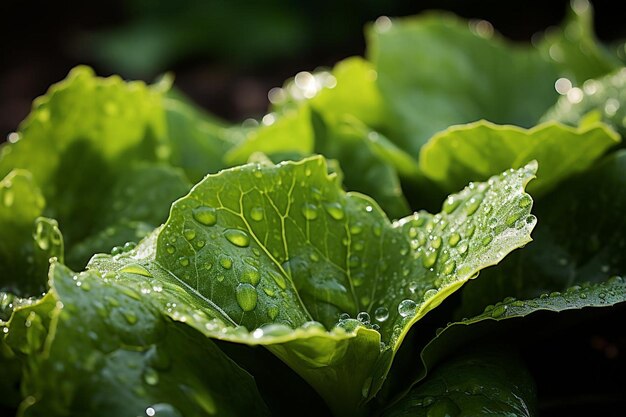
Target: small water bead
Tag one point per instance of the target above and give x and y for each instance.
(309, 211)
(278, 278)
(463, 247)
(454, 239)
(344, 316)
(356, 228)
(237, 237)
(407, 308)
(151, 376)
(189, 234)
(206, 216)
(378, 230)
(363, 317)
(117, 250)
(430, 293)
(272, 312)
(381, 314)
(472, 205)
(449, 267)
(429, 258)
(200, 244)
(136, 269)
(334, 210)
(525, 201)
(469, 231)
(225, 261)
(435, 241)
(487, 239)
(450, 204)
(128, 246)
(170, 248)
(512, 219)
(252, 276)
(184, 261)
(246, 296)
(256, 214)
(498, 310)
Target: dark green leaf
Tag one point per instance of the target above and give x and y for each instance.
(574, 48)
(490, 381)
(108, 351)
(435, 71)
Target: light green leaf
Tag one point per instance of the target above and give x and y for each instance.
(488, 381)
(600, 99)
(573, 47)
(284, 252)
(80, 139)
(28, 240)
(334, 94)
(475, 151)
(287, 133)
(435, 71)
(107, 350)
(592, 205)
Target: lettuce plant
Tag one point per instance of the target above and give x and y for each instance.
(304, 272)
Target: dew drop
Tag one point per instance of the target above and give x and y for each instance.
(252, 276)
(429, 258)
(225, 262)
(449, 267)
(381, 314)
(151, 376)
(356, 228)
(246, 296)
(363, 317)
(309, 211)
(407, 308)
(136, 269)
(525, 201)
(206, 216)
(498, 310)
(451, 204)
(189, 234)
(430, 293)
(184, 261)
(454, 239)
(334, 210)
(237, 237)
(272, 312)
(256, 214)
(487, 239)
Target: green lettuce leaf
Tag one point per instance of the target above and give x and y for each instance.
(105, 350)
(129, 210)
(282, 256)
(573, 47)
(435, 71)
(197, 143)
(590, 205)
(112, 132)
(487, 381)
(28, 240)
(598, 99)
(475, 151)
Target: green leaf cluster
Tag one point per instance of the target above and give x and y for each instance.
(127, 290)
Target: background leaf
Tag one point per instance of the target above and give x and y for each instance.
(487, 381)
(434, 71)
(475, 151)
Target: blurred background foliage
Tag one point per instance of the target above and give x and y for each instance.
(225, 54)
